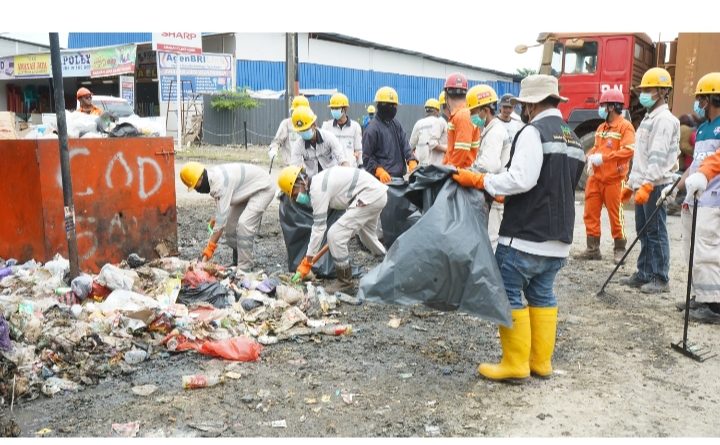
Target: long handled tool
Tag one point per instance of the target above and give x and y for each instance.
(271, 163)
(682, 346)
(659, 204)
(315, 259)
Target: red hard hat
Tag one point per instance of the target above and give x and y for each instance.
(456, 80)
(83, 92)
(612, 96)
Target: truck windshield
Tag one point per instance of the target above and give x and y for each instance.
(556, 64)
(581, 60)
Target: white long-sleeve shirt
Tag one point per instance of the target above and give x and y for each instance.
(339, 188)
(657, 146)
(427, 138)
(523, 175)
(494, 151)
(326, 153)
(350, 138)
(285, 136)
(232, 184)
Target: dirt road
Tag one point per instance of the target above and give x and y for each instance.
(615, 374)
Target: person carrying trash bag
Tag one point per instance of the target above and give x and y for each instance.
(702, 183)
(546, 163)
(342, 188)
(242, 193)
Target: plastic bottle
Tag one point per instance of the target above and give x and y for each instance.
(200, 381)
(135, 356)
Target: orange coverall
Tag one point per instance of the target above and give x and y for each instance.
(463, 140)
(710, 166)
(616, 143)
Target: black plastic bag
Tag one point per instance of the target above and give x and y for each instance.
(213, 293)
(445, 260)
(399, 213)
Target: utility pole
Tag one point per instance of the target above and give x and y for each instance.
(59, 91)
(292, 84)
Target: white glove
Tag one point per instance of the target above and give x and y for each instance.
(595, 159)
(589, 169)
(665, 194)
(696, 184)
(272, 152)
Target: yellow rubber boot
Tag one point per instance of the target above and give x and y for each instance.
(543, 324)
(515, 342)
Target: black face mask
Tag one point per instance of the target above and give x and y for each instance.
(386, 111)
(524, 114)
(204, 186)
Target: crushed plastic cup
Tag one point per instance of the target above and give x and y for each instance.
(200, 381)
(135, 356)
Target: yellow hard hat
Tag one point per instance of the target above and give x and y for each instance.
(371, 109)
(656, 78)
(287, 178)
(299, 101)
(303, 118)
(338, 100)
(708, 84)
(386, 94)
(190, 174)
(480, 95)
(442, 98)
(432, 103)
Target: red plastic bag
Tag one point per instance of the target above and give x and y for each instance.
(242, 349)
(196, 276)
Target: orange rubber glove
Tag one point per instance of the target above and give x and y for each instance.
(209, 250)
(304, 267)
(626, 194)
(467, 178)
(412, 165)
(643, 193)
(383, 175)
(500, 199)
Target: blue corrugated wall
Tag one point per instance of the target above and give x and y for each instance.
(91, 39)
(357, 85)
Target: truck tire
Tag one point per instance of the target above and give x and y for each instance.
(587, 141)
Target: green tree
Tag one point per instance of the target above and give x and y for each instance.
(524, 72)
(232, 100)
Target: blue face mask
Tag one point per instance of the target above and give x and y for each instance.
(646, 100)
(307, 134)
(477, 120)
(699, 111)
(602, 112)
(336, 114)
(303, 199)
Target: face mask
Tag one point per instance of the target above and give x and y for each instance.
(204, 186)
(524, 115)
(698, 110)
(646, 100)
(386, 111)
(477, 120)
(370, 116)
(303, 199)
(307, 134)
(336, 114)
(603, 112)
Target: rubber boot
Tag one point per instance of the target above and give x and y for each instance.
(515, 342)
(593, 249)
(235, 257)
(344, 281)
(543, 325)
(619, 250)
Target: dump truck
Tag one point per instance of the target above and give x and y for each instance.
(588, 64)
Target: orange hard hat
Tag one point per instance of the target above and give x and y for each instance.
(83, 92)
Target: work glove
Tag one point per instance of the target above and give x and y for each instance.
(304, 267)
(665, 194)
(209, 251)
(626, 194)
(643, 193)
(499, 199)
(696, 184)
(211, 225)
(589, 169)
(467, 178)
(595, 159)
(412, 165)
(383, 175)
(272, 152)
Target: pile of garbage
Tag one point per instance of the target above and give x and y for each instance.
(58, 335)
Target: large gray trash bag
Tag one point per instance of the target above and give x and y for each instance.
(296, 222)
(399, 213)
(445, 260)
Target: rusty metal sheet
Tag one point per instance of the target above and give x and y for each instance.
(697, 55)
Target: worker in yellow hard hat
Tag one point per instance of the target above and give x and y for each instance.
(346, 130)
(242, 192)
(386, 152)
(285, 137)
(657, 146)
(317, 149)
(368, 117)
(444, 112)
(428, 139)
